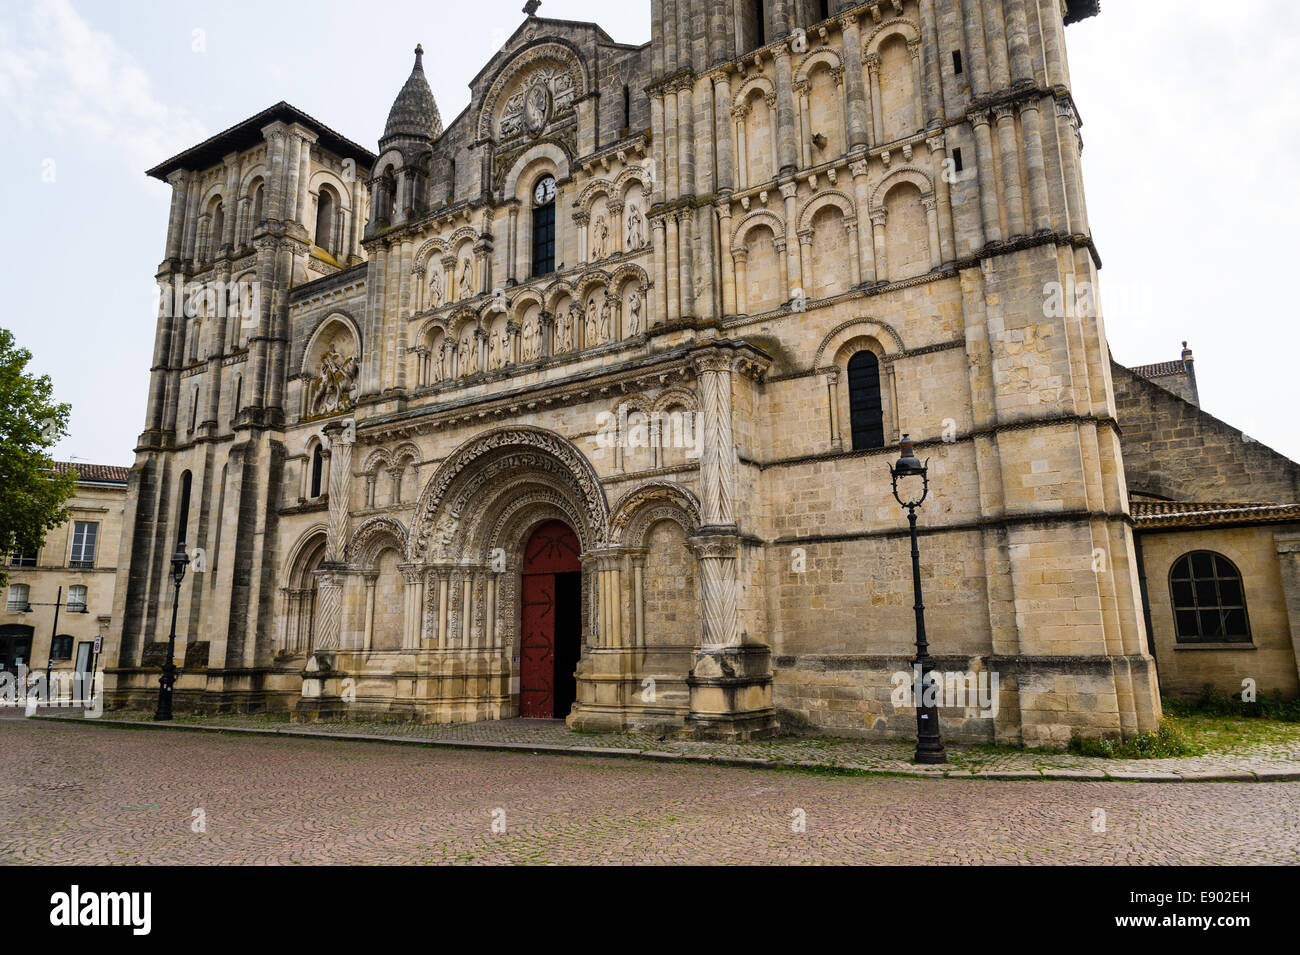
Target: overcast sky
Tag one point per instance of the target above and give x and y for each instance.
(1193, 219)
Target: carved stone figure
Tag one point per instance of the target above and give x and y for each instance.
(467, 278)
(562, 325)
(335, 387)
(465, 355)
(635, 227)
(599, 237)
(589, 329)
(435, 288)
(607, 318)
(444, 359)
(634, 313)
(496, 349)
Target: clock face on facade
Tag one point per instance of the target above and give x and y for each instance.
(545, 191)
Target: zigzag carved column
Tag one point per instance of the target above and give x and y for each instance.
(731, 678)
(322, 680)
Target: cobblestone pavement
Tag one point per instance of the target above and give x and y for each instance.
(1261, 761)
(87, 794)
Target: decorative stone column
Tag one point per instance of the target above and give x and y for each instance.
(322, 680)
(854, 94)
(862, 197)
(730, 683)
(728, 275)
(878, 218)
(1288, 558)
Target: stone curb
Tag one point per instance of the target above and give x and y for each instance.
(744, 762)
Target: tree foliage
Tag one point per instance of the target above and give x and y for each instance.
(32, 496)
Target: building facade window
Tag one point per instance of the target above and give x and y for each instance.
(61, 647)
(22, 558)
(183, 510)
(84, 536)
(317, 467)
(18, 597)
(866, 412)
(1208, 599)
(76, 598)
(544, 226)
(325, 206)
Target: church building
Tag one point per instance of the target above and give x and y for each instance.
(583, 404)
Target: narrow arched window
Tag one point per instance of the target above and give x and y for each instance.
(1208, 599)
(325, 220)
(866, 413)
(317, 466)
(544, 226)
(218, 226)
(183, 511)
(259, 194)
(239, 394)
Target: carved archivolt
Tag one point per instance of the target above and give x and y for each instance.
(649, 503)
(822, 199)
(916, 177)
(564, 78)
(492, 457)
(760, 83)
(375, 535)
(898, 26)
(884, 333)
(757, 217)
(808, 63)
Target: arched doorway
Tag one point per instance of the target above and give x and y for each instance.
(551, 632)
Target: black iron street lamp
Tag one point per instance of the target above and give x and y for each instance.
(929, 747)
(168, 679)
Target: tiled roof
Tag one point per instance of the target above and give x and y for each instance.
(414, 112)
(1160, 369)
(100, 473)
(248, 133)
(1151, 514)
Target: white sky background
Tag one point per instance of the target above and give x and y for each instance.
(1192, 160)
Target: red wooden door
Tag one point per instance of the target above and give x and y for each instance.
(553, 549)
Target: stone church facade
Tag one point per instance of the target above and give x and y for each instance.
(610, 369)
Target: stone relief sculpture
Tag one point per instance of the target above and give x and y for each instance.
(599, 238)
(435, 288)
(635, 227)
(444, 359)
(563, 322)
(535, 352)
(335, 387)
(589, 329)
(496, 349)
(467, 278)
(465, 359)
(634, 313)
(607, 318)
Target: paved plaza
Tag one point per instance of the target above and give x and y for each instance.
(89, 794)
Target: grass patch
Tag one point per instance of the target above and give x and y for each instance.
(1212, 702)
(1168, 741)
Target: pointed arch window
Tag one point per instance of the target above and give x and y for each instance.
(866, 411)
(325, 206)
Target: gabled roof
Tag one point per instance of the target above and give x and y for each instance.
(246, 134)
(93, 473)
(1153, 514)
(1160, 369)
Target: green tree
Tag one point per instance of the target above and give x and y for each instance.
(32, 495)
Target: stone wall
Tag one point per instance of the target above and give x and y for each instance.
(1175, 451)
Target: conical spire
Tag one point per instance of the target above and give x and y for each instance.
(414, 112)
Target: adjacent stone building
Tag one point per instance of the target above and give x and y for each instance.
(583, 404)
(60, 599)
